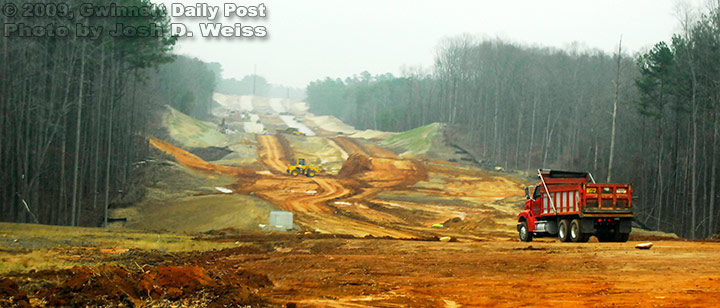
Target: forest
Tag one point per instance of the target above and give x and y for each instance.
(74, 113)
(650, 119)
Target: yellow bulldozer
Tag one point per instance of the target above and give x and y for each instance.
(301, 168)
(293, 131)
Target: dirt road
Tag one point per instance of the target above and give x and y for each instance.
(272, 154)
(498, 273)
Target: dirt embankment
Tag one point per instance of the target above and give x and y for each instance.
(350, 146)
(206, 285)
(194, 162)
(356, 146)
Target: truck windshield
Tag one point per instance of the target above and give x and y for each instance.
(536, 194)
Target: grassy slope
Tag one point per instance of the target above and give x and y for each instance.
(190, 132)
(415, 141)
(28, 246)
(203, 213)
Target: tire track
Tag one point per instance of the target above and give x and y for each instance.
(272, 154)
(313, 210)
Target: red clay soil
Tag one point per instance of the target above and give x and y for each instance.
(500, 273)
(272, 153)
(383, 172)
(356, 163)
(110, 285)
(10, 294)
(336, 271)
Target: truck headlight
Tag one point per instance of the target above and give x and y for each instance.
(621, 190)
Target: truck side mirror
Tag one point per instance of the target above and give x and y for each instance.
(527, 193)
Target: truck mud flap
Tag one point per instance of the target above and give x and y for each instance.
(625, 225)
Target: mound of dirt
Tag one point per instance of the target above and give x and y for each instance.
(383, 172)
(355, 164)
(110, 285)
(10, 294)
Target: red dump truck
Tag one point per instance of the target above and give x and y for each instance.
(571, 206)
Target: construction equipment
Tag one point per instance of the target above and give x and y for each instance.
(293, 131)
(573, 207)
(301, 168)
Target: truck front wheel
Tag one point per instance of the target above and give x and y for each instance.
(575, 234)
(563, 230)
(525, 234)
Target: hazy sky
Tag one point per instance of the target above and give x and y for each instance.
(312, 39)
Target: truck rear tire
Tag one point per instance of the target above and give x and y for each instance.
(563, 228)
(621, 237)
(576, 234)
(524, 232)
(604, 237)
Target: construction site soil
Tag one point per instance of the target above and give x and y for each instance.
(375, 229)
(316, 270)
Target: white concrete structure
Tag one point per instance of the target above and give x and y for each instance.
(281, 220)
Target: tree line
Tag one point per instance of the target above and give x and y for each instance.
(254, 84)
(74, 113)
(649, 119)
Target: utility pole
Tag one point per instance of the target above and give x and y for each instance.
(615, 103)
(254, 77)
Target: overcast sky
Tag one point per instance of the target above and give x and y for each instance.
(312, 39)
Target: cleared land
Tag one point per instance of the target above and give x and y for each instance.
(96, 267)
(368, 231)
